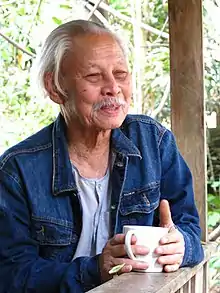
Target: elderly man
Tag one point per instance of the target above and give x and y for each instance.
(67, 191)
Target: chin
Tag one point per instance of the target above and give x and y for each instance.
(111, 122)
(111, 125)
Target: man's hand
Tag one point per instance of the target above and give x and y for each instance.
(114, 254)
(172, 246)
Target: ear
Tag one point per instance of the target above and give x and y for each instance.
(54, 94)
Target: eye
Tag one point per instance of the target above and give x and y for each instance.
(93, 74)
(93, 77)
(120, 74)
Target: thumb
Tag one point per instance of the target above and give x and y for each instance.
(165, 214)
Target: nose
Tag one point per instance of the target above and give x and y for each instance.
(110, 87)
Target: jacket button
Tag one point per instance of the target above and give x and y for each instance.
(113, 207)
(119, 164)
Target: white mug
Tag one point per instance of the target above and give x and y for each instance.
(147, 236)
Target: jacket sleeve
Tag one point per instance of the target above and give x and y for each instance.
(177, 188)
(22, 270)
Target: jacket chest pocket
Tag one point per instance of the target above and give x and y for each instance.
(56, 239)
(143, 201)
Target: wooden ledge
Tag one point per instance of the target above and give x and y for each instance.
(154, 282)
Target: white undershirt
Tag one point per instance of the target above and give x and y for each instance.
(94, 196)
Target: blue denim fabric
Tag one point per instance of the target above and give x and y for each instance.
(40, 214)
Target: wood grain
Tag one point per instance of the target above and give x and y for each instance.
(156, 282)
(187, 93)
(187, 287)
(197, 282)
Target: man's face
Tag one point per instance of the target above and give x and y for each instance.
(97, 81)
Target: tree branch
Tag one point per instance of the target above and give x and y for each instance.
(13, 43)
(162, 30)
(155, 112)
(212, 174)
(131, 20)
(35, 14)
(214, 234)
(99, 16)
(94, 9)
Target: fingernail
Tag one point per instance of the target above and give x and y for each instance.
(143, 265)
(128, 268)
(159, 260)
(164, 240)
(159, 250)
(133, 239)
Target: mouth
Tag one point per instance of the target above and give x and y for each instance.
(110, 109)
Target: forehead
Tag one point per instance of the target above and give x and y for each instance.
(96, 49)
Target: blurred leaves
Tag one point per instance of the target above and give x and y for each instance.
(29, 22)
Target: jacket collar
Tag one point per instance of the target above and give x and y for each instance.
(63, 179)
(121, 144)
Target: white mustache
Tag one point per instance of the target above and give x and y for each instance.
(116, 102)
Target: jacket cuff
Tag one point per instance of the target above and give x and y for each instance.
(90, 273)
(188, 253)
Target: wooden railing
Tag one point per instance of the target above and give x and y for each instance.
(185, 280)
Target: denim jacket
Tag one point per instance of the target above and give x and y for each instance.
(40, 213)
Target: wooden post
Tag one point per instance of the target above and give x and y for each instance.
(187, 93)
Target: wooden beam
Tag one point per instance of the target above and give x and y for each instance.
(187, 93)
(159, 282)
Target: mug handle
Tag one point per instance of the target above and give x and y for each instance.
(128, 249)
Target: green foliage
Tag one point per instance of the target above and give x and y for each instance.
(213, 218)
(57, 20)
(214, 204)
(28, 22)
(211, 54)
(214, 264)
(22, 110)
(214, 222)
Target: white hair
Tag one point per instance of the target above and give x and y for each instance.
(59, 43)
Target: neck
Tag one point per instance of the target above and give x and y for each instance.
(89, 149)
(88, 141)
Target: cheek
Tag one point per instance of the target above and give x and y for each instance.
(127, 85)
(87, 93)
(127, 89)
(84, 100)
(83, 91)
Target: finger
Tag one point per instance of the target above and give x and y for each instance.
(120, 251)
(117, 239)
(171, 268)
(126, 269)
(165, 214)
(140, 250)
(136, 265)
(170, 259)
(172, 237)
(129, 265)
(172, 248)
(120, 239)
